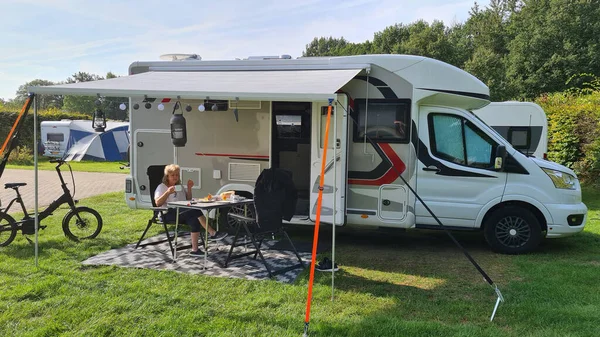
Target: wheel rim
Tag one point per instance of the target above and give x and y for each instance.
(83, 225)
(241, 211)
(513, 231)
(6, 231)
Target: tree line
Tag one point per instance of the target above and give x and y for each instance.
(70, 103)
(521, 49)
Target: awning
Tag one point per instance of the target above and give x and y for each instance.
(246, 85)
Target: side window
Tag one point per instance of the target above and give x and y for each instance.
(385, 120)
(455, 139)
(289, 126)
(519, 137)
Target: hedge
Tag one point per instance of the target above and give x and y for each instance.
(7, 119)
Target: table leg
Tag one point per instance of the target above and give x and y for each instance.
(206, 240)
(176, 230)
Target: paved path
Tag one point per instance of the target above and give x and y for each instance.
(87, 184)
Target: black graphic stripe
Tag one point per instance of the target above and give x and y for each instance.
(461, 93)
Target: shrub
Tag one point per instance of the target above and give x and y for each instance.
(22, 155)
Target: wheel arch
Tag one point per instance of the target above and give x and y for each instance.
(539, 215)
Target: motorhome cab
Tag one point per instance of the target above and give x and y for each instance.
(393, 116)
(523, 124)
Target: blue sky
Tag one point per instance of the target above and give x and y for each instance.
(52, 39)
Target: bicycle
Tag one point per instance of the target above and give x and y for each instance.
(87, 222)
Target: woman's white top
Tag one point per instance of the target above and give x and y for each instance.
(177, 196)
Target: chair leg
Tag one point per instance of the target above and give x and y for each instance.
(259, 245)
(294, 248)
(258, 250)
(143, 235)
(169, 239)
(237, 233)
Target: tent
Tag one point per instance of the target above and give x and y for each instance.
(110, 145)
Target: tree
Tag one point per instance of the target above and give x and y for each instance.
(324, 46)
(83, 104)
(43, 101)
(553, 40)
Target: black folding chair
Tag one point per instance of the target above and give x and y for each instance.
(155, 175)
(274, 199)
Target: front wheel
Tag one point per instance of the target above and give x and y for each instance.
(512, 230)
(8, 229)
(82, 223)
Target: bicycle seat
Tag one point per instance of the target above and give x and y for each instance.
(13, 185)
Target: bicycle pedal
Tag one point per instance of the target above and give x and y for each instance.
(76, 201)
(43, 227)
(29, 240)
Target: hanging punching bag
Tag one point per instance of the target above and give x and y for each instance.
(178, 130)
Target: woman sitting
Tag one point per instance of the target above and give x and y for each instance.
(166, 192)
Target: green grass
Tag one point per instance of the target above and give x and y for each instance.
(390, 284)
(83, 166)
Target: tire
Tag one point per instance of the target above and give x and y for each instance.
(8, 229)
(76, 230)
(513, 230)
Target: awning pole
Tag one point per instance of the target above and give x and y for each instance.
(35, 175)
(335, 137)
(318, 221)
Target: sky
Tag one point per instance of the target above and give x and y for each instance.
(53, 39)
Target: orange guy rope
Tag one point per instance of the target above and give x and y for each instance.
(12, 131)
(317, 222)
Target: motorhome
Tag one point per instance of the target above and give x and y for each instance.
(79, 136)
(523, 124)
(398, 123)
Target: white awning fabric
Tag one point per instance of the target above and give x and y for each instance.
(246, 85)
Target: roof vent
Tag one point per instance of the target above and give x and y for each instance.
(282, 57)
(180, 57)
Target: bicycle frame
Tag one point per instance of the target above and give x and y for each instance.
(65, 198)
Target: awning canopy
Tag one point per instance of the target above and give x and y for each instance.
(247, 85)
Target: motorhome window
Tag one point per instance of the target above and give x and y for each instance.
(289, 126)
(55, 137)
(458, 140)
(519, 137)
(388, 120)
(330, 140)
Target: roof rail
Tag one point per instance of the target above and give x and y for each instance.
(282, 57)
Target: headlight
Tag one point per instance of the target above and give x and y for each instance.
(561, 179)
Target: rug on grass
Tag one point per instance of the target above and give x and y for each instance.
(158, 256)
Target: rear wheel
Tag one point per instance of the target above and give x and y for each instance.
(512, 230)
(8, 229)
(82, 223)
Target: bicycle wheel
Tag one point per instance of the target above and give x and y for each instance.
(8, 229)
(82, 223)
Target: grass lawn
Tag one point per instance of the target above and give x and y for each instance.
(83, 166)
(389, 284)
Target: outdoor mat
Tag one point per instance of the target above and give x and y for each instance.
(302, 246)
(158, 256)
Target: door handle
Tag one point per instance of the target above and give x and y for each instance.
(431, 168)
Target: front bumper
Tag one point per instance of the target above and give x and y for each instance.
(561, 214)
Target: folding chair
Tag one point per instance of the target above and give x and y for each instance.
(275, 198)
(155, 174)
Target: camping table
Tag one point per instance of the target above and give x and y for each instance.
(204, 206)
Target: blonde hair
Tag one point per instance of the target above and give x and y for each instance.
(171, 169)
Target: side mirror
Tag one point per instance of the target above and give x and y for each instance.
(500, 158)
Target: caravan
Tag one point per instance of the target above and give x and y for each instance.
(395, 119)
(523, 124)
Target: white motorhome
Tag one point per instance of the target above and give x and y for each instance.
(393, 116)
(523, 124)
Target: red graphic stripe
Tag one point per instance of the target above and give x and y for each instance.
(166, 100)
(232, 155)
(390, 175)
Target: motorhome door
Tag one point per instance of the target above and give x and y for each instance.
(333, 207)
(152, 147)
